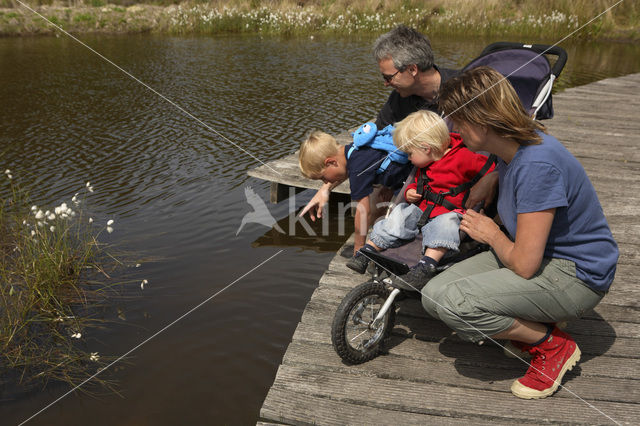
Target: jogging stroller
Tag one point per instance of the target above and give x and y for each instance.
(366, 315)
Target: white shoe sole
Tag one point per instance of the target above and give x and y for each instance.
(521, 391)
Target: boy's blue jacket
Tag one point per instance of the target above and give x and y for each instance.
(369, 135)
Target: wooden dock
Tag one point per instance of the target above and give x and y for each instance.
(429, 376)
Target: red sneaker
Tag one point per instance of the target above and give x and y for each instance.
(551, 359)
(515, 349)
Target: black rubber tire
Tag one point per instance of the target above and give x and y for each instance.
(344, 318)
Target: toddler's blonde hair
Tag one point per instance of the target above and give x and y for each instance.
(314, 151)
(422, 129)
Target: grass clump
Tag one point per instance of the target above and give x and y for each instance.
(50, 264)
(84, 17)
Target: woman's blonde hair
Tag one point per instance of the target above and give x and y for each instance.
(482, 96)
(422, 129)
(313, 151)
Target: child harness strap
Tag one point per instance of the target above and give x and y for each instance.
(438, 198)
(368, 135)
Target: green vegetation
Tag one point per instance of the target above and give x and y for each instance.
(550, 19)
(84, 17)
(53, 277)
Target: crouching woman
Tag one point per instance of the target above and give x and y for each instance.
(558, 257)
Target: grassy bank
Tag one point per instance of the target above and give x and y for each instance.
(551, 19)
(53, 277)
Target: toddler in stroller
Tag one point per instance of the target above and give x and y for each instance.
(447, 169)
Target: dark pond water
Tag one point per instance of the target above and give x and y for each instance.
(176, 192)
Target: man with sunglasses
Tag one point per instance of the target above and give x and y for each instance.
(405, 59)
(406, 63)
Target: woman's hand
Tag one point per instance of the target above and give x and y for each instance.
(479, 227)
(483, 190)
(412, 196)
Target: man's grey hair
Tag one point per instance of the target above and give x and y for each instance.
(405, 46)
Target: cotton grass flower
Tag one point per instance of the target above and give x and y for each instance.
(109, 229)
(94, 357)
(142, 284)
(52, 228)
(90, 220)
(39, 215)
(76, 335)
(110, 222)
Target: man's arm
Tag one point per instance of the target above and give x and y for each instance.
(483, 190)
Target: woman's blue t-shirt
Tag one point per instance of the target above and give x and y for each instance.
(546, 176)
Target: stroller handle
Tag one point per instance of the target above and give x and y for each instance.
(545, 49)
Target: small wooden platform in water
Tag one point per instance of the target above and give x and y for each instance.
(429, 376)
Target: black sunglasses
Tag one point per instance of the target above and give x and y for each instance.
(388, 78)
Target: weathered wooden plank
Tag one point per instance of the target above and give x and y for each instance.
(430, 398)
(297, 408)
(450, 349)
(567, 101)
(624, 291)
(604, 309)
(292, 177)
(595, 337)
(325, 300)
(303, 353)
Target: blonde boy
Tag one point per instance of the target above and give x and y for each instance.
(323, 158)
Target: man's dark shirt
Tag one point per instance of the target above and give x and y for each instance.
(397, 108)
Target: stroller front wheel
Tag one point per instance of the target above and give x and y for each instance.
(354, 334)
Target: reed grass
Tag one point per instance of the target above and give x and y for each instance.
(53, 275)
(521, 18)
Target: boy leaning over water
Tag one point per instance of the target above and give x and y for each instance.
(444, 163)
(323, 158)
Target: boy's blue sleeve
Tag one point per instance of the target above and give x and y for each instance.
(362, 167)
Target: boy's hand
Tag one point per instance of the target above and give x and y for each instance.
(412, 196)
(315, 205)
